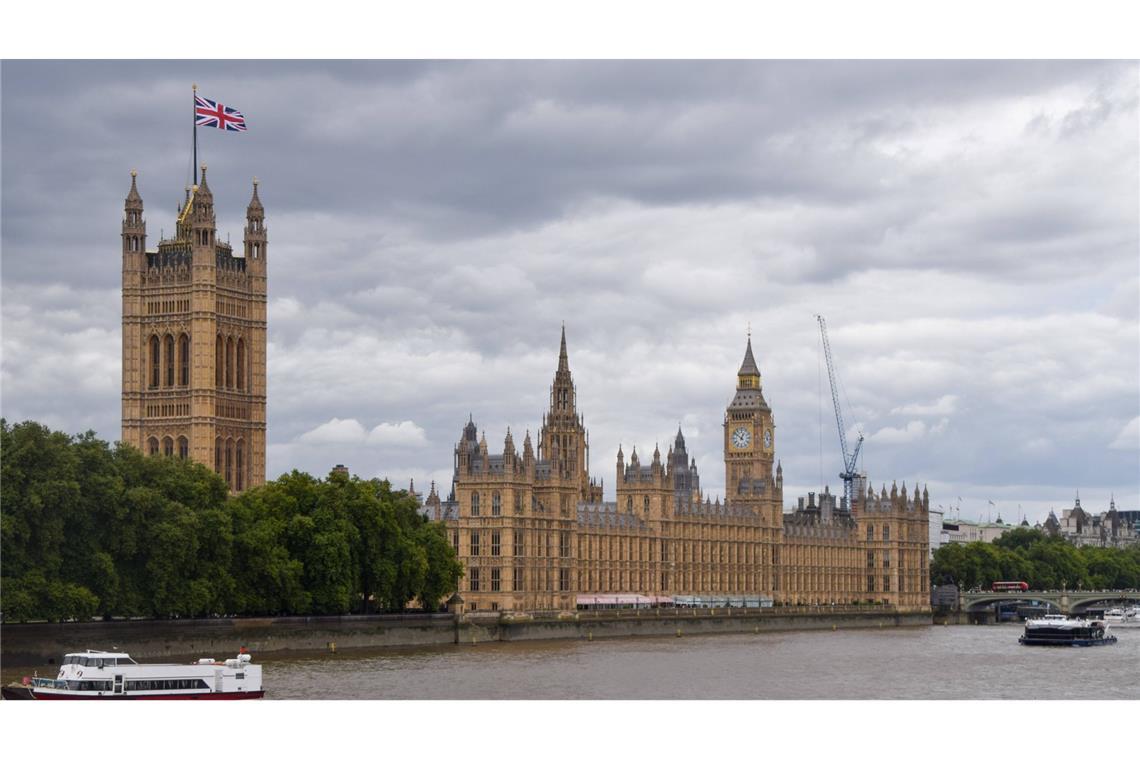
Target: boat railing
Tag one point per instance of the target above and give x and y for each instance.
(48, 683)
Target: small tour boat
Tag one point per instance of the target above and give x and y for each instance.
(1060, 631)
(114, 675)
(1129, 618)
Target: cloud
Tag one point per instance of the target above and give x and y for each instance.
(912, 431)
(944, 405)
(1129, 437)
(335, 431)
(406, 433)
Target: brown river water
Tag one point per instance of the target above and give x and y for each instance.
(936, 662)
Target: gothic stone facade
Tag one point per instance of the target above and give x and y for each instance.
(533, 531)
(194, 331)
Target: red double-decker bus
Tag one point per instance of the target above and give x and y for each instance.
(1009, 586)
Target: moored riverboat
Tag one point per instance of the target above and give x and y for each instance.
(114, 675)
(1061, 631)
(1123, 618)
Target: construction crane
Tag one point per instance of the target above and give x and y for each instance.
(849, 459)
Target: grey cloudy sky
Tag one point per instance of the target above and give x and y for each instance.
(970, 230)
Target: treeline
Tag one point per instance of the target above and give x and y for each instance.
(89, 530)
(1044, 562)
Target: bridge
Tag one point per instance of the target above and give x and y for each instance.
(1066, 601)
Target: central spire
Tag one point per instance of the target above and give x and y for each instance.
(563, 359)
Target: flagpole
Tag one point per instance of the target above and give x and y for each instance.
(194, 112)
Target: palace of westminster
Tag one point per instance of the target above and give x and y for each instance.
(531, 528)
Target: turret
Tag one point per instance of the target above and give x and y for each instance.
(620, 465)
(528, 453)
(134, 230)
(256, 242)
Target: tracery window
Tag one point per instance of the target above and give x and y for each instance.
(183, 447)
(496, 504)
(168, 446)
(184, 359)
(155, 362)
(152, 446)
(168, 349)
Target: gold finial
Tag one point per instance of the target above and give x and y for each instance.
(134, 173)
(194, 188)
(203, 166)
(256, 182)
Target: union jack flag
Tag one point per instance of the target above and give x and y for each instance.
(208, 113)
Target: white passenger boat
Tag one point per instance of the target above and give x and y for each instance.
(114, 675)
(1058, 630)
(1123, 618)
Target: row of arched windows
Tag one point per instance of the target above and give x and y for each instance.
(229, 461)
(167, 364)
(231, 363)
(166, 446)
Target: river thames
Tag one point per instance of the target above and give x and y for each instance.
(936, 662)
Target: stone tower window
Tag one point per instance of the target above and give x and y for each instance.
(184, 359)
(183, 447)
(240, 364)
(152, 446)
(229, 362)
(155, 362)
(496, 504)
(168, 350)
(218, 455)
(870, 532)
(219, 361)
(886, 533)
(475, 505)
(168, 446)
(239, 481)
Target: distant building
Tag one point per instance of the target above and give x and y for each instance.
(936, 533)
(957, 531)
(1112, 528)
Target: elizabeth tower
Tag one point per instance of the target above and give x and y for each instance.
(194, 334)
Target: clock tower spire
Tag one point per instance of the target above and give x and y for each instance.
(749, 443)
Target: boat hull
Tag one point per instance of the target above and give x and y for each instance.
(1067, 643)
(25, 692)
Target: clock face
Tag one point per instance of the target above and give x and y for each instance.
(741, 438)
(767, 439)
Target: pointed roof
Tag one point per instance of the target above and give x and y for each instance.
(255, 202)
(134, 200)
(563, 359)
(679, 442)
(203, 188)
(749, 366)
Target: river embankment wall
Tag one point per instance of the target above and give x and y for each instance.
(151, 640)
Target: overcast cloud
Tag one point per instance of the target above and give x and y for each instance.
(970, 230)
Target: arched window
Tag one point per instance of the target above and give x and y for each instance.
(230, 462)
(152, 446)
(168, 446)
(886, 533)
(870, 532)
(229, 362)
(496, 504)
(184, 359)
(219, 361)
(475, 505)
(183, 447)
(647, 504)
(629, 503)
(155, 362)
(168, 350)
(239, 462)
(240, 364)
(218, 455)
